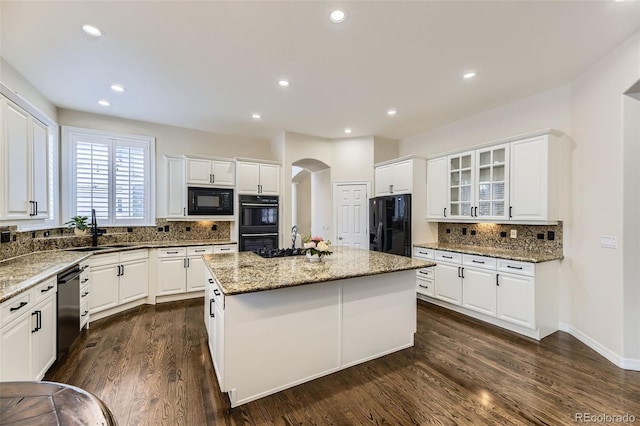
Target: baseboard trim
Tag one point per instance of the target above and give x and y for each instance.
(619, 361)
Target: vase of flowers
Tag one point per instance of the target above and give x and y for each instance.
(315, 248)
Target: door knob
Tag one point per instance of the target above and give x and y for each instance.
(339, 238)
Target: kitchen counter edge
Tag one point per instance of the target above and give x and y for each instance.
(517, 255)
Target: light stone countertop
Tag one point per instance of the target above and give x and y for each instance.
(246, 272)
(21, 273)
(519, 255)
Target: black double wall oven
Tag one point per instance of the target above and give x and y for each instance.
(258, 225)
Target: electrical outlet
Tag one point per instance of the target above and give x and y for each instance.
(166, 228)
(46, 233)
(160, 229)
(188, 229)
(464, 231)
(551, 235)
(503, 234)
(214, 227)
(129, 229)
(541, 236)
(5, 236)
(473, 232)
(514, 233)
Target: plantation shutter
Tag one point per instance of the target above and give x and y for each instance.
(130, 174)
(92, 178)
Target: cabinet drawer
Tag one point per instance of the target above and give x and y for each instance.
(44, 290)
(215, 291)
(15, 307)
(423, 253)
(199, 250)
(172, 252)
(225, 248)
(448, 256)
(424, 287)
(515, 267)
(84, 294)
(426, 273)
(105, 259)
(479, 261)
(126, 256)
(84, 312)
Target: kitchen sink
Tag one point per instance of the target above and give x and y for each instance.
(100, 247)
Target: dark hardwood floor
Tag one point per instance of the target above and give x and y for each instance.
(151, 366)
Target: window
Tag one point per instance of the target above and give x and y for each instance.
(112, 174)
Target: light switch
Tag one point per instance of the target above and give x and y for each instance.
(514, 233)
(608, 241)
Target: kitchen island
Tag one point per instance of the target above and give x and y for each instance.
(276, 323)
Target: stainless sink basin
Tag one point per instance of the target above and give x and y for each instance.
(100, 247)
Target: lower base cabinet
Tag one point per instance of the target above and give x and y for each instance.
(118, 278)
(28, 335)
(515, 297)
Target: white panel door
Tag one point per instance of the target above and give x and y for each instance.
(269, 179)
(437, 188)
(516, 299)
(40, 164)
(479, 291)
(44, 339)
(195, 273)
(199, 171)
(529, 179)
(175, 187)
(351, 215)
(134, 281)
(18, 168)
(448, 283)
(223, 173)
(248, 177)
(171, 275)
(104, 287)
(15, 347)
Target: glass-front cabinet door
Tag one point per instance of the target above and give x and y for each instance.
(461, 184)
(492, 182)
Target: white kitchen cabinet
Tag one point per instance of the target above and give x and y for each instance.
(536, 181)
(448, 286)
(118, 278)
(24, 143)
(516, 299)
(394, 178)
(492, 183)
(479, 290)
(182, 269)
(437, 188)
(215, 320)
(210, 171)
(85, 293)
(258, 178)
(28, 334)
(461, 195)
(176, 187)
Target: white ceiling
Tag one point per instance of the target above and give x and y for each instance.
(209, 65)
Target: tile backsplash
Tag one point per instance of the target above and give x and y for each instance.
(537, 238)
(23, 242)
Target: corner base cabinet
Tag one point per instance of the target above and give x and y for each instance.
(518, 296)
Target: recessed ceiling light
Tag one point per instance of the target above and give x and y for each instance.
(469, 75)
(103, 102)
(391, 111)
(337, 15)
(256, 116)
(92, 31)
(283, 83)
(347, 130)
(117, 88)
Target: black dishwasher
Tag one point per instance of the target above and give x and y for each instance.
(68, 309)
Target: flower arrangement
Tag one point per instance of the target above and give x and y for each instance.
(316, 245)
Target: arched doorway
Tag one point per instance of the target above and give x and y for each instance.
(311, 202)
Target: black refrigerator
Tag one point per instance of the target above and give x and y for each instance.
(390, 224)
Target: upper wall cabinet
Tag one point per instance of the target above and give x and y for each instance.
(394, 178)
(518, 181)
(258, 178)
(176, 190)
(210, 171)
(24, 150)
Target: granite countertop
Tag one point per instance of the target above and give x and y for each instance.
(519, 255)
(20, 273)
(246, 272)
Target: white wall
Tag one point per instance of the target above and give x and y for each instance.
(321, 210)
(589, 110)
(19, 85)
(171, 140)
(385, 149)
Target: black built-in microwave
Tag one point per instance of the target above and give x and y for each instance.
(210, 201)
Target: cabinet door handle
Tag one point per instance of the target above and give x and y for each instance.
(476, 211)
(225, 249)
(200, 251)
(184, 211)
(122, 269)
(514, 267)
(85, 294)
(213, 178)
(478, 261)
(36, 208)
(445, 212)
(211, 302)
(188, 262)
(423, 273)
(497, 280)
(32, 208)
(216, 292)
(20, 306)
(84, 314)
(462, 272)
(84, 281)
(36, 328)
(510, 211)
(423, 286)
(458, 272)
(210, 280)
(423, 252)
(447, 257)
(172, 252)
(44, 290)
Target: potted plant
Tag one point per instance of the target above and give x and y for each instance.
(78, 224)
